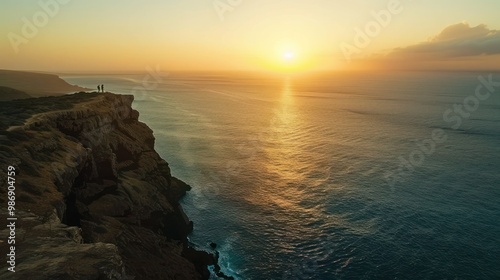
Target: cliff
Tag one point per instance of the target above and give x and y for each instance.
(93, 198)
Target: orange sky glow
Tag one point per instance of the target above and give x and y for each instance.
(65, 35)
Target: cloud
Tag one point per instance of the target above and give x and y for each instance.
(455, 41)
(456, 47)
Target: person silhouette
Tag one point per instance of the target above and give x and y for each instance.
(98, 88)
(102, 88)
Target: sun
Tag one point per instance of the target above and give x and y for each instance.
(288, 56)
(286, 59)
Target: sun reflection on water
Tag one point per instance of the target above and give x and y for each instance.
(283, 164)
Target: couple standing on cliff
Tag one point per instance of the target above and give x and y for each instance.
(100, 88)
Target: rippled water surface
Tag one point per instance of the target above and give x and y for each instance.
(323, 176)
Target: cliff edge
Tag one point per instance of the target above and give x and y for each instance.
(94, 200)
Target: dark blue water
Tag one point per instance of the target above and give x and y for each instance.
(333, 176)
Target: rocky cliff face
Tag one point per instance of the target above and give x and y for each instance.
(93, 198)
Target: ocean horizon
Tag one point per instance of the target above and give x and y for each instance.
(360, 175)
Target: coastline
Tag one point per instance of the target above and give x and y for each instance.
(93, 192)
(36, 84)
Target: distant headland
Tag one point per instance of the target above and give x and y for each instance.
(32, 84)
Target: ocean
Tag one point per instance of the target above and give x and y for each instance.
(332, 175)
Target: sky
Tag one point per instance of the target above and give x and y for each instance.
(270, 35)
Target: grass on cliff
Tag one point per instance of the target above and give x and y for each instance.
(16, 112)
